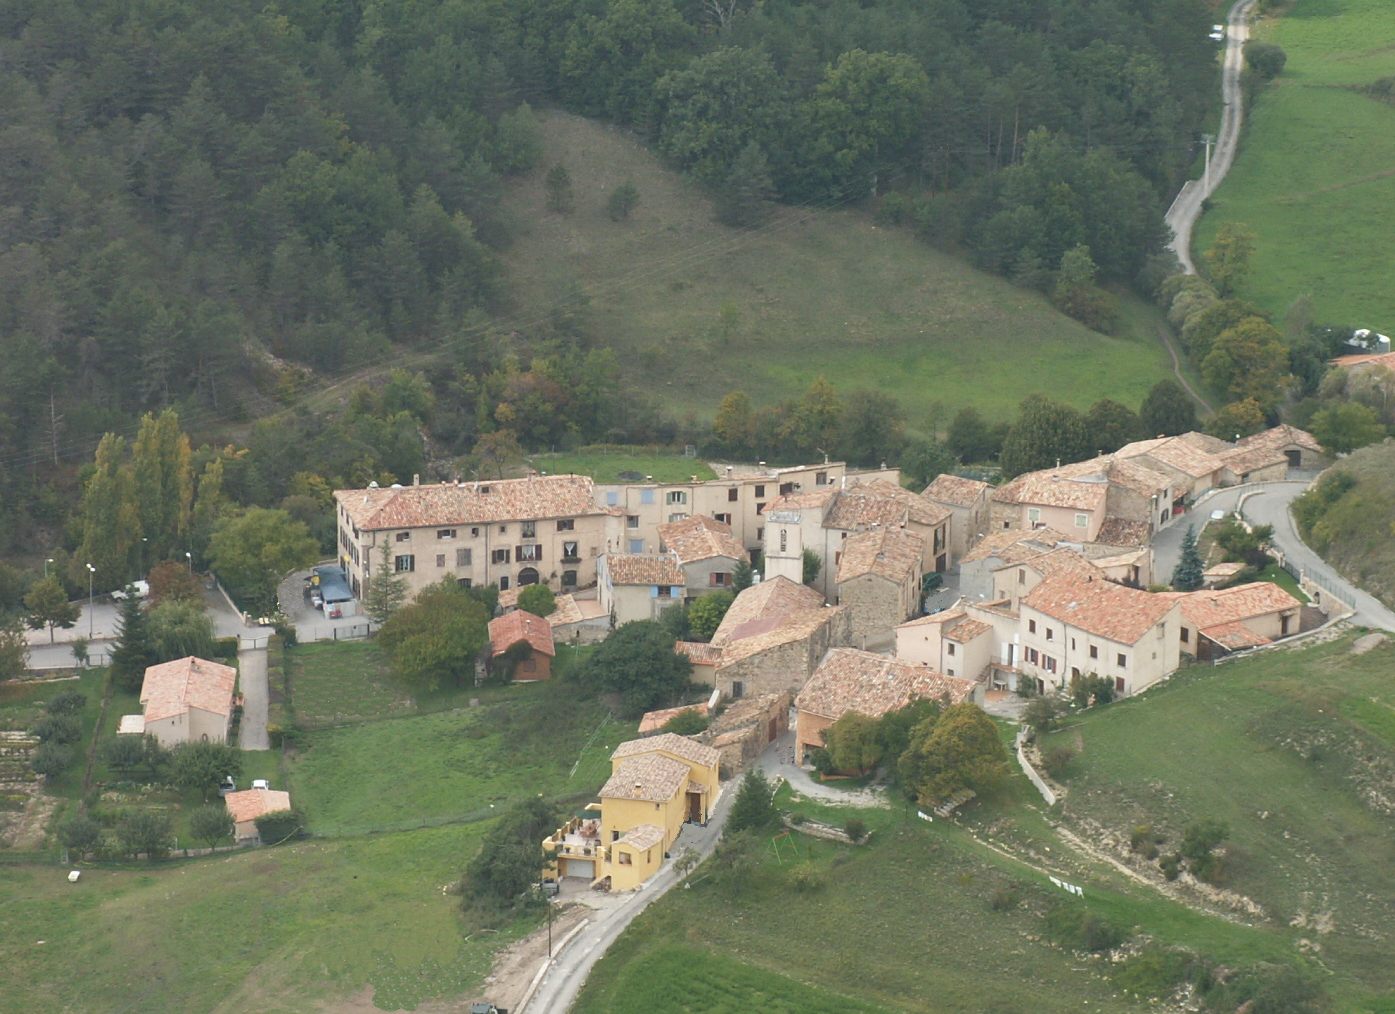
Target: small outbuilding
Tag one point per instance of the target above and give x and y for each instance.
(187, 701)
(525, 641)
(246, 806)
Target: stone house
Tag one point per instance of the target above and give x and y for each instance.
(780, 659)
(1217, 621)
(706, 551)
(526, 640)
(746, 727)
(189, 700)
(967, 502)
(879, 576)
(639, 586)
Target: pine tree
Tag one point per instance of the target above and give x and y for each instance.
(1188, 574)
(387, 591)
(133, 651)
(755, 804)
(747, 191)
(558, 185)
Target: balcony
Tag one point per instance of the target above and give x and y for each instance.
(577, 839)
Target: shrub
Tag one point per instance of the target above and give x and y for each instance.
(280, 825)
(69, 702)
(796, 818)
(688, 722)
(80, 834)
(807, 878)
(1056, 759)
(537, 599)
(856, 828)
(1004, 899)
(145, 831)
(58, 729)
(1079, 928)
(211, 823)
(1156, 971)
(50, 759)
(1171, 866)
(1042, 713)
(226, 647)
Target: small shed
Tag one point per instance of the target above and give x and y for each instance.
(526, 640)
(246, 806)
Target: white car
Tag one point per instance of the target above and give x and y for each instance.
(142, 590)
(260, 783)
(1218, 515)
(1217, 33)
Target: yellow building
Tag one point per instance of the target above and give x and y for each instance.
(656, 785)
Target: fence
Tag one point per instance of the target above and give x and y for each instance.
(307, 633)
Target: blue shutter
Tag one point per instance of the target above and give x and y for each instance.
(653, 591)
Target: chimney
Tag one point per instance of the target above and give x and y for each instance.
(416, 478)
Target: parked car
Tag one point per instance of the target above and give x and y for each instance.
(260, 783)
(227, 785)
(487, 1008)
(1217, 33)
(142, 589)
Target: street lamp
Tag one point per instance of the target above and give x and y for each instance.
(190, 558)
(46, 563)
(91, 570)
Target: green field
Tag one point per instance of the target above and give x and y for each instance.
(694, 309)
(1296, 753)
(520, 740)
(1315, 175)
(262, 932)
(605, 465)
(337, 682)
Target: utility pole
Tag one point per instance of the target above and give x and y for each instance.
(1208, 140)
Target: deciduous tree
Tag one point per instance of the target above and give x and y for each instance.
(511, 858)
(432, 642)
(47, 605)
(537, 599)
(203, 765)
(1167, 410)
(1344, 427)
(705, 615)
(211, 823)
(853, 744)
(622, 200)
(1045, 433)
(146, 831)
(638, 662)
(254, 550)
(960, 749)
(180, 628)
(1111, 425)
(1228, 257)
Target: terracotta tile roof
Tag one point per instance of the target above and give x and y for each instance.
(1063, 559)
(931, 619)
(508, 598)
(1384, 360)
(643, 568)
(680, 746)
(651, 777)
(699, 653)
(249, 804)
(1222, 571)
(653, 721)
(1281, 436)
(1123, 532)
(172, 688)
(469, 503)
(1235, 635)
(1112, 611)
(1137, 476)
(520, 625)
(1016, 544)
(815, 499)
(1055, 489)
(871, 684)
(571, 609)
(955, 489)
(1244, 460)
(791, 628)
(892, 553)
(966, 630)
(1215, 607)
(883, 503)
(1126, 559)
(700, 538)
(643, 837)
(1179, 452)
(767, 600)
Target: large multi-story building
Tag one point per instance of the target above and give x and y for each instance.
(508, 532)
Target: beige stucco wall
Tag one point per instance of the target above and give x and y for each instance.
(628, 602)
(1156, 653)
(699, 575)
(969, 659)
(191, 727)
(808, 733)
(920, 645)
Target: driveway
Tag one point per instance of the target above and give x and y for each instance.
(1267, 504)
(1186, 208)
(573, 963)
(251, 665)
(312, 624)
(778, 759)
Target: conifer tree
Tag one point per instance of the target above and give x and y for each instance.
(1187, 575)
(133, 651)
(387, 591)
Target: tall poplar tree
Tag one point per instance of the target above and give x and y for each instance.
(111, 527)
(164, 488)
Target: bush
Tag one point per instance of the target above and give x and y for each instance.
(1079, 928)
(80, 834)
(50, 759)
(1156, 971)
(1042, 713)
(511, 859)
(60, 729)
(1265, 59)
(226, 647)
(688, 722)
(280, 825)
(856, 829)
(147, 831)
(807, 878)
(69, 702)
(1004, 899)
(538, 600)
(796, 818)
(1055, 759)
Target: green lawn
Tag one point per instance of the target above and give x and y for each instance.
(695, 310)
(1295, 751)
(606, 464)
(1284, 580)
(336, 682)
(262, 932)
(521, 740)
(1315, 176)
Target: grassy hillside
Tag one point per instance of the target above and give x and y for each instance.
(1295, 751)
(695, 309)
(1315, 176)
(1355, 531)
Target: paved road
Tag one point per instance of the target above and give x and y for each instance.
(1269, 506)
(251, 665)
(573, 964)
(1186, 209)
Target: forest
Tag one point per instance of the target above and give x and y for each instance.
(248, 210)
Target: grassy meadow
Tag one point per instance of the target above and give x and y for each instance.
(605, 465)
(1315, 175)
(695, 310)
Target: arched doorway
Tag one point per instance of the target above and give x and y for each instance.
(527, 576)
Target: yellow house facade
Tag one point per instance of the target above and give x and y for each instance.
(656, 785)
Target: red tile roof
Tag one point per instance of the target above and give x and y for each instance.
(955, 489)
(643, 568)
(538, 498)
(1282, 436)
(653, 721)
(891, 553)
(172, 688)
(249, 804)
(520, 625)
(699, 653)
(851, 680)
(700, 538)
(769, 601)
(883, 503)
(1215, 607)
(1123, 532)
(1112, 611)
(1015, 544)
(680, 746)
(788, 629)
(651, 777)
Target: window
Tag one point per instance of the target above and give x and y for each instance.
(527, 576)
(615, 835)
(625, 859)
(529, 554)
(503, 584)
(611, 499)
(503, 529)
(676, 517)
(733, 494)
(784, 545)
(1050, 634)
(646, 496)
(1048, 663)
(1122, 660)
(820, 478)
(949, 648)
(1072, 644)
(568, 579)
(949, 672)
(474, 533)
(1094, 651)
(632, 521)
(1034, 514)
(464, 557)
(723, 518)
(1186, 635)
(760, 534)
(445, 533)
(1082, 521)
(463, 582)
(484, 489)
(405, 564)
(738, 689)
(1031, 626)
(404, 536)
(1021, 577)
(571, 551)
(636, 545)
(760, 491)
(440, 559)
(676, 496)
(566, 524)
(760, 508)
(786, 488)
(530, 530)
(1032, 655)
(720, 580)
(499, 556)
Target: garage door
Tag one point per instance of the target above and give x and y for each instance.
(585, 868)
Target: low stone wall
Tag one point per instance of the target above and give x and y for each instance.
(1024, 734)
(827, 832)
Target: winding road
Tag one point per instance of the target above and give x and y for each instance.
(1186, 208)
